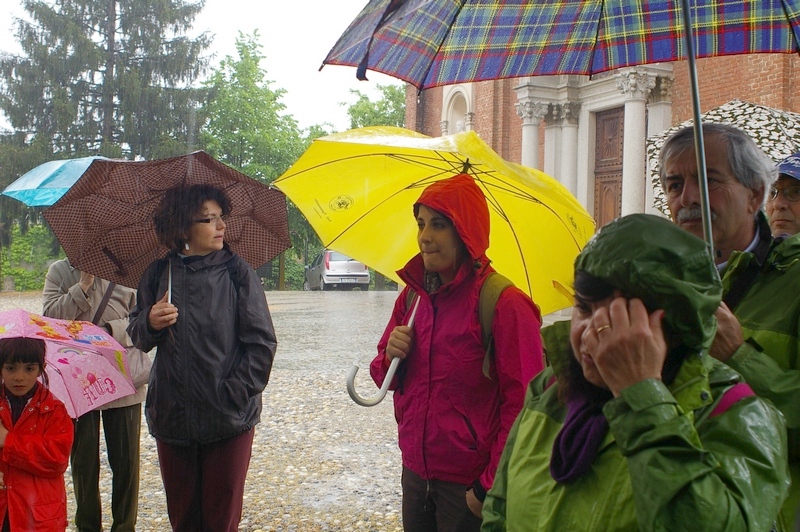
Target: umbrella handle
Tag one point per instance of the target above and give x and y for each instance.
(372, 401)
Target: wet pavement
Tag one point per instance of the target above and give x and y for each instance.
(320, 462)
(328, 330)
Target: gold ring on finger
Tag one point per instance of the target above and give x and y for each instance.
(602, 328)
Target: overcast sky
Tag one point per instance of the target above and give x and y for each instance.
(296, 36)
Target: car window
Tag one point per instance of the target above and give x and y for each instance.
(335, 255)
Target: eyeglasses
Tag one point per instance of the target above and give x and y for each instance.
(791, 193)
(213, 219)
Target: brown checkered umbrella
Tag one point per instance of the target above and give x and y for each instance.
(105, 221)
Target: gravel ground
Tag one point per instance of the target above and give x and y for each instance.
(320, 462)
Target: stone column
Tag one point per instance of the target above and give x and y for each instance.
(531, 114)
(635, 85)
(443, 125)
(552, 141)
(569, 146)
(659, 119)
(469, 120)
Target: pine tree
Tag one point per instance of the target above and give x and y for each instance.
(104, 76)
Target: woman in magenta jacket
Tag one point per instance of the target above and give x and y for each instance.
(452, 419)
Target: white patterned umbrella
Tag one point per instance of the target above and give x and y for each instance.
(775, 131)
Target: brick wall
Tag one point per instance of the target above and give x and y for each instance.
(765, 79)
(495, 120)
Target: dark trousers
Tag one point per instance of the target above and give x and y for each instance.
(435, 506)
(204, 484)
(121, 427)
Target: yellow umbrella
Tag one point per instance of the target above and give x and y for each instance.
(357, 189)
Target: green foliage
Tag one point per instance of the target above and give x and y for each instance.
(295, 274)
(28, 257)
(242, 120)
(389, 110)
(104, 76)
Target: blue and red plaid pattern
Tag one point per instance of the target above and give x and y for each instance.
(439, 42)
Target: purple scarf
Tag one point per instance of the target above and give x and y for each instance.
(579, 440)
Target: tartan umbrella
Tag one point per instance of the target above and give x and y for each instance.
(429, 44)
(775, 131)
(105, 221)
(437, 43)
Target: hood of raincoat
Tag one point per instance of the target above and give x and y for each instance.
(651, 258)
(461, 200)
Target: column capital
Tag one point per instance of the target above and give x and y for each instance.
(662, 92)
(553, 115)
(443, 125)
(570, 111)
(636, 84)
(469, 120)
(531, 112)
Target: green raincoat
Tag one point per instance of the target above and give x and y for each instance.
(770, 317)
(679, 457)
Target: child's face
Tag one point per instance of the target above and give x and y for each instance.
(19, 377)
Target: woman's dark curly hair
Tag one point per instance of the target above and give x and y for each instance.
(25, 350)
(179, 206)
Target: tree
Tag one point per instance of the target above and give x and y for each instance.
(97, 77)
(242, 118)
(105, 76)
(389, 110)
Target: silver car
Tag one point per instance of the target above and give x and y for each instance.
(332, 270)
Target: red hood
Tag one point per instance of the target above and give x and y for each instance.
(461, 200)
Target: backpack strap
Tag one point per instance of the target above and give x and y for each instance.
(494, 285)
(491, 289)
(410, 298)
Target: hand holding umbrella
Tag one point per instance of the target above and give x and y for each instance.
(401, 354)
(163, 314)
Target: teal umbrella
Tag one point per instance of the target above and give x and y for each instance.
(46, 183)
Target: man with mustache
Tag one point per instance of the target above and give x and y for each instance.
(758, 322)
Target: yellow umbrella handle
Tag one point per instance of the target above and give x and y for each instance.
(372, 401)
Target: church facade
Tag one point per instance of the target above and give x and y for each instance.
(590, 133)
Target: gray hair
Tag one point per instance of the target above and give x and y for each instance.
(749, 164)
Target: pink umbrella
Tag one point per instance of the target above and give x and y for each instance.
(86, 367)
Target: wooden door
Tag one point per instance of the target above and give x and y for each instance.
(608, 166)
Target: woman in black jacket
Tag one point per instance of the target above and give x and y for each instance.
(203, 308)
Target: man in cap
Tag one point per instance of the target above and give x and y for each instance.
(783, 203)
(758, 324)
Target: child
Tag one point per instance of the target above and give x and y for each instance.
(35, 440)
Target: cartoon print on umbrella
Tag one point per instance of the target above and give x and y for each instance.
(86, 367)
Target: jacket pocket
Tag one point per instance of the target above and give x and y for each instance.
(237, 394)
(49, 514)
